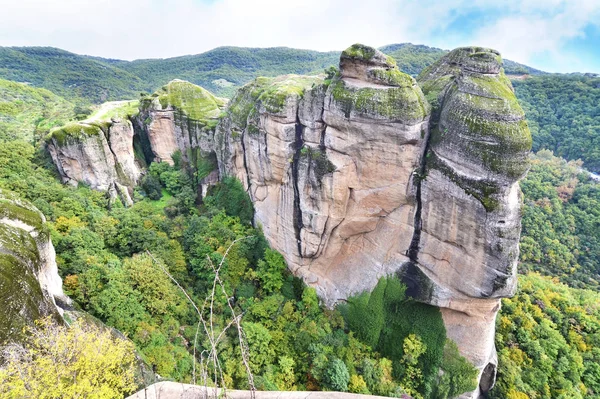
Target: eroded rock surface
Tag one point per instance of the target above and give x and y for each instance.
(179, 118)
(328, 166)
(470, 223)
(359, 177)
(30, 286)
(98, 152)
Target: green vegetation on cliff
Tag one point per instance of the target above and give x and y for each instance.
(194, 101)
(405, 103)
(385, 317)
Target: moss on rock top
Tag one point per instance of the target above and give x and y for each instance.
(360, 52)
(405, 103)
(74, 131)
(195, 102)
(270, 93)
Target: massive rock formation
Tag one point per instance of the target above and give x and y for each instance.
(180, 117)
(467, 232)
(30, 286)
(109, 150)
(328, 166)
(358, 176)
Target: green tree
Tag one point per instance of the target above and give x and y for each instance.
(337, 376)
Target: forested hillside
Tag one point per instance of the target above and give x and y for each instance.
(221, 70)
(69, 75)
(224, 69)
(27, 112)
(564, 115)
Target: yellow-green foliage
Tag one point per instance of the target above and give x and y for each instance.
(547, 339)
(68, 362)
(196, 102)
(25, 111)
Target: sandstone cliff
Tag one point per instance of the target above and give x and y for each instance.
(179, 117)
(110, 150)
(99, 151)
(364, 175)
(30, 287)
(328, 166)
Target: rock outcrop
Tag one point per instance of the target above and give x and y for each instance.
(110, 150)
(30, 287)
(328, 166)
(98, 151)
(179, 118)
(370, 174)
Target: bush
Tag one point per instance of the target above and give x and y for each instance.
(337, 376)
(152, 187)
(230, 196)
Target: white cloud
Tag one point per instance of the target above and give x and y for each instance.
(130, 29)
(537, 29)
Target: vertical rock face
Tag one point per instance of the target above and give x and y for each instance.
(98, 153)
(328, 166)
(359, 176)
(467, 238)
(355, 177)
(180, 117)
(30, 286)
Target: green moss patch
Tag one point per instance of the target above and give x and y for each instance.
(482, 190)
(360, 51)
(14, 211)
(272, 93)
(74, 131)
(319, 162)
(194, 101)
(397, 103)
(392, 77)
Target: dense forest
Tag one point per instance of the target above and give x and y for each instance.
(563, 115)
(114, 260)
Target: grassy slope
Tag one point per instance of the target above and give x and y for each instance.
(26, 112)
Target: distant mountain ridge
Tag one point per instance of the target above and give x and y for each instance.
(89, 79)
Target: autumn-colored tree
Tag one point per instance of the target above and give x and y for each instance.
(68, 362)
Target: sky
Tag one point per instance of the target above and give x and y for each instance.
(552, 35)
